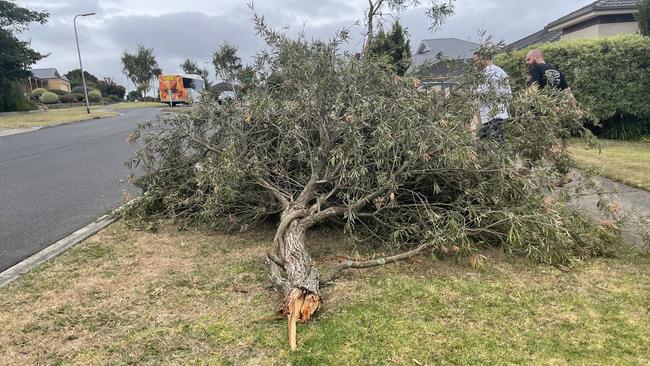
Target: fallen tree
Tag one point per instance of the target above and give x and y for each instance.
(325, 138)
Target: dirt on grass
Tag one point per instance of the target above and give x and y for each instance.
(192, 297)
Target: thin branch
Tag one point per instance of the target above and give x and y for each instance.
(276, 192)
(286, 221)
(336, 271)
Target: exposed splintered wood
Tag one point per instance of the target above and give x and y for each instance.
(294, 306)
(299, 306)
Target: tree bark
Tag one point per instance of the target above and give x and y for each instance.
(295, 275)
(370, 28)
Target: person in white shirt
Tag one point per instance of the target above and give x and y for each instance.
(494, 93)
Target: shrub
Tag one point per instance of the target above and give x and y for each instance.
(133, 96)
(79, 97)
(622, 127)
(49, 98)
(78, 89)
(58, 92)
(68, 98)
(95, 96)
(114, 98)
(608, 76)
(38, 92)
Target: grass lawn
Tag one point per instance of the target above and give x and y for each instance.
(623, 161)
(179, 298)
(136, 105)
(52, 117)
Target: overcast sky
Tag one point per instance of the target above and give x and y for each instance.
(178, 29)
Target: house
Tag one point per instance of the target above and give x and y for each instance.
(439, 62)
(49, 79)
(602, 18)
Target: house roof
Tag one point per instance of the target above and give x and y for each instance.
(600, 5)
(451, 48)
(542, 36)
(49, 73)
(433, 50)
(552, 33)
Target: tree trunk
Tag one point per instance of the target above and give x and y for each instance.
(370, 30)
(300, 281)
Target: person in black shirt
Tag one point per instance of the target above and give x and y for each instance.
(541, 74)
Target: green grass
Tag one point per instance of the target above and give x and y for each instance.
(623, 161)
(137, 105)
(176, 298)
(52, 117)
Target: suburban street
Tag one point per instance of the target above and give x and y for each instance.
(56, 180)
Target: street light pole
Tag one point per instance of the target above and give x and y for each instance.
(83, 78)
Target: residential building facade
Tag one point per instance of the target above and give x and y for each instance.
(49, 79)
(602, 18)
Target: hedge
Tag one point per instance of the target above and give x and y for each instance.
(610, 76)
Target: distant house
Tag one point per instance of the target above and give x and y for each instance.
(49, 79)
(602, 18)
(439, 62)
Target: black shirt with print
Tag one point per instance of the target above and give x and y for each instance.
(546, 74)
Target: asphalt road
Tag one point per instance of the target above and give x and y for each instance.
(55, 181)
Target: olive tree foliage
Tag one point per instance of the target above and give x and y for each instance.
(322, 138)
(436, 10)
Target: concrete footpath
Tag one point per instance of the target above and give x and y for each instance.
(634, 204)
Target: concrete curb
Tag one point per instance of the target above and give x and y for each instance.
(14, 273)
(16, 131)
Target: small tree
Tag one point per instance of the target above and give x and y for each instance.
(323, 138)
(643, 17)
(109, 86)
(437, 11)
(394, 46)
(140, 67)
(227, 64)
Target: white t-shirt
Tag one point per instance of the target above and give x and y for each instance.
(496, 81)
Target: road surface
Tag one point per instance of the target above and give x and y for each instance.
(55, 181)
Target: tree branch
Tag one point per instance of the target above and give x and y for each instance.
(286, 221)
(336, 211)
(336, 271)
(276, 192)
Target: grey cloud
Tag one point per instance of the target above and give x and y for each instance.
(181, 33)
